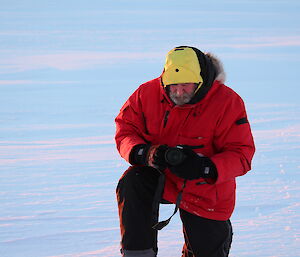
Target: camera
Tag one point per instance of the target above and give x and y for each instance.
(174, 155)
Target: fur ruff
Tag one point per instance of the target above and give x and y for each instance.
(221, 76)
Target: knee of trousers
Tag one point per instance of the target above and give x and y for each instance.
(128, 182)
(132, 183)
(138, 180)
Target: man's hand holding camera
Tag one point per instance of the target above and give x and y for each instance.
(181, 160)
(193, 166)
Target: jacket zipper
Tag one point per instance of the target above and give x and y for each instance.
(166, 118)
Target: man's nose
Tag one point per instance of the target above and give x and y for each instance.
(179, 90)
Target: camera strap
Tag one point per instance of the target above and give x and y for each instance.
(158, 195)
(161, 224)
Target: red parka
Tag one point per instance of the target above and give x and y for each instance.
(218, 123)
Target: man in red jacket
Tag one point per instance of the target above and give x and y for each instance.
(187, 138)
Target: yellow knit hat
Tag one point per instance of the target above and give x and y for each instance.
(182, 66)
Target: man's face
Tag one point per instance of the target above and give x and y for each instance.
(182, 93)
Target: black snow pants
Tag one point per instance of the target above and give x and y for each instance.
(135, 195)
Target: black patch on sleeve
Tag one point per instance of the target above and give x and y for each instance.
(241, 121)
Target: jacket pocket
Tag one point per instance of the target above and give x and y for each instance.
(199, 144)
(192, 141)
(206, 193)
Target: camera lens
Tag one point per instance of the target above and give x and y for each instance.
(174, 156)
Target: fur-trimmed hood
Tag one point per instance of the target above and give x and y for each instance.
(220, 73)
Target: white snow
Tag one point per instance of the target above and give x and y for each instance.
(58, 182)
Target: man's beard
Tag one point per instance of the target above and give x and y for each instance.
(181, 100)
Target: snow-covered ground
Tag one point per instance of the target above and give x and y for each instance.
(67, 68)
(59, 169)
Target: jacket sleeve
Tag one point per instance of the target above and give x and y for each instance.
(130, 126)
(233, 142)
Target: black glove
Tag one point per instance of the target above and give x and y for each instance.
(149, 155)
(194, 166)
